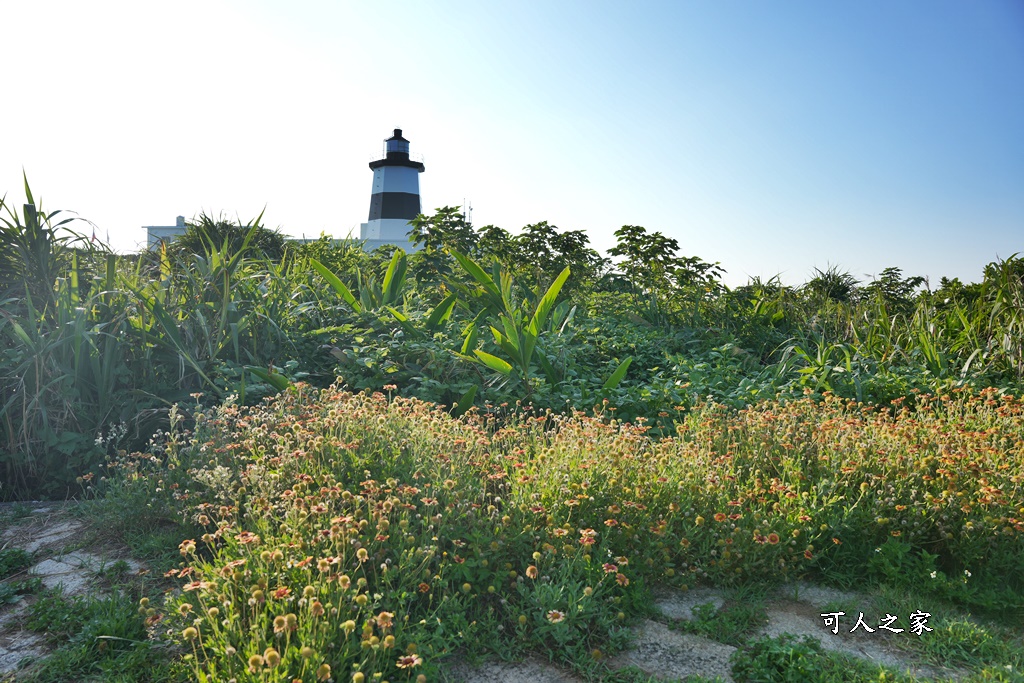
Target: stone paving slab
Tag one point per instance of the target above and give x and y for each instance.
(15, 644)
(73, 571)
(530, 670)
(62, 533)
(676, 604)
(664, 653)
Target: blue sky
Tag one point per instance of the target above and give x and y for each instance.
(771, 137)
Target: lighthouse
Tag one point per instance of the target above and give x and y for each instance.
(395, 199)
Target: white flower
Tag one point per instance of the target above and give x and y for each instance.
(932, 575)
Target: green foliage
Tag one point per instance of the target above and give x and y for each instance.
(731, 624)
(13, 585)
(832, 284)
(208, 234)
(94, 345)
(35, 247)
(897, 292)
(97, 639)
(787, 659)
(13, 560)
(446, 230)
(516, 326)
(540, 253)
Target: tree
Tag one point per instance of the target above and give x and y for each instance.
(542, 252)
(447, 229)
(892, 288)
(496, 242)
(651, 264)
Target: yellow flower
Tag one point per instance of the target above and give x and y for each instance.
(555, 616)
(409, 661)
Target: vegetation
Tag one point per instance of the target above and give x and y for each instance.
(370, 460)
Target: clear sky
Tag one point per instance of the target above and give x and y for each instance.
(773, 137)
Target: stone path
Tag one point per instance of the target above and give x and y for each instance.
(52, 537)
(664, 653)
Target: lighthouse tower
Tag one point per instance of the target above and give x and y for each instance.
(395, 199)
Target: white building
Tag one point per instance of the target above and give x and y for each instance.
(155, 234)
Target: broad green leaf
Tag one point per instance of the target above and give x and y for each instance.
(540, 316)
(472, 332)
(619, 373)
(442, 311)
(549, 370)
(404, 321)
(336, 284)
(493, 362)
(465, 403)
(274, 379)
(394, 278)
(477, 273)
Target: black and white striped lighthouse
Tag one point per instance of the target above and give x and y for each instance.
(395, 199)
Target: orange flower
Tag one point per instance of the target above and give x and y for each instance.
(720, 517)
(531, 572)
(773, 538)
(621, 579)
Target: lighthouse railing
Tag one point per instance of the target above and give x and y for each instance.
(413, 156)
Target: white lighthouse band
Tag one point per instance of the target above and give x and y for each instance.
(395, 199)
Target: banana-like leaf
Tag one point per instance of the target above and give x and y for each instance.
(394, 278)
(274, 379)
(476, 272)
(465, 403)
(405, 323)
(619, 373)
(493, 362)
(336, 284)
(540, 316)
(442, 311)
(549, 370)
(472, 332)
(526, 346)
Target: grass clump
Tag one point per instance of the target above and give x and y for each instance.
(13, 561)
(732, 624)
(787, 659)
(97, 639)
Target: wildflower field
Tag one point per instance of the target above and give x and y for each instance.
(362, 537)
(344, 466)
